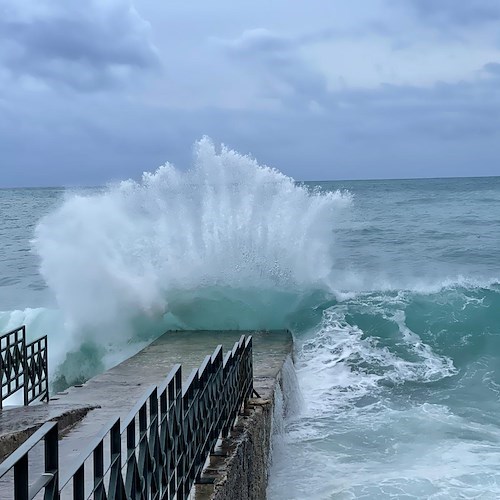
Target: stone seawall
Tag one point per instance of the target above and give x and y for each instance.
(241, 472)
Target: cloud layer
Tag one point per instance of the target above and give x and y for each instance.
(86, 45)
(103, 90)
(470, 12)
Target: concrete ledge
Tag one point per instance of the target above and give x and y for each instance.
(19, 423)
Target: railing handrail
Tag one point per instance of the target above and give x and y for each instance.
(14, 330)
(138, 405)
(168, 379)
(192, 376)
(87, 451)
(26, 447)
(179, 426)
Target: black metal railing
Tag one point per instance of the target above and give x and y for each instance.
(19, 464)
(168, 436)
(23, 366)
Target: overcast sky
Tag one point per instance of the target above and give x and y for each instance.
(98, 90)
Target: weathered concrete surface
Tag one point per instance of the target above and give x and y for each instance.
(115, 392)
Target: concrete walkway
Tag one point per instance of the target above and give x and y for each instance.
(86, 409)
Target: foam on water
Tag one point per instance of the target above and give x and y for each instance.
(392, 413)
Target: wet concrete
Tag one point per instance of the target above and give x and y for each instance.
(115, 392)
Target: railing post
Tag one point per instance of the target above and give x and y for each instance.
(46, 368)
(79, 484)
(176, 422)
(21, 480)
(52, 463)
(131, 486)
(116, 487)
(25, 367)
(154, 444)
(98, 457)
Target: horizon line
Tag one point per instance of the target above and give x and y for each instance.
(372, 179)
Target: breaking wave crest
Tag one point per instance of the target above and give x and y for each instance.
(226, 244)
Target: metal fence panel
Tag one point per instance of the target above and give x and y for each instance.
(36, 377)
(12, 348)
(23, 366)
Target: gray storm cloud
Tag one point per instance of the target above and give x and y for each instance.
(461, 12)
(276, 58)
(86, 45)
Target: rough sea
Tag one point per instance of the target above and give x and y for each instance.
(390, 287)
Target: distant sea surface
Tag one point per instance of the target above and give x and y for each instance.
(391, 289)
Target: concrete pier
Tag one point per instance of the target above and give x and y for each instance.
(82, 411)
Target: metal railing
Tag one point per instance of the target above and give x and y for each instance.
(23, 366)
(168, 436)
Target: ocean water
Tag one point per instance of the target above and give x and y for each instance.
(391, 289)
